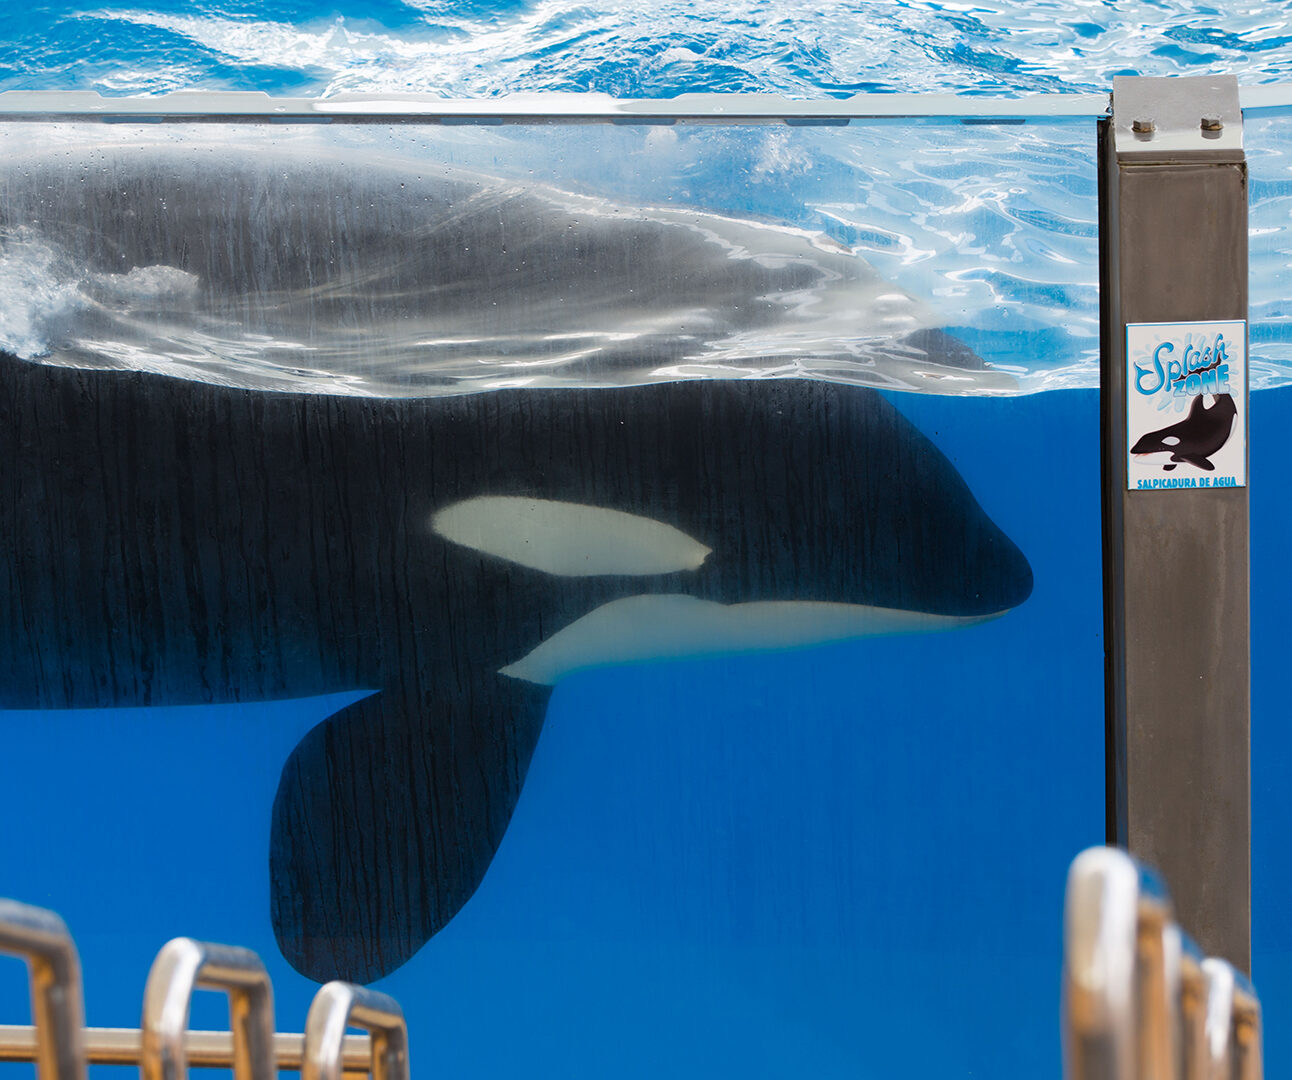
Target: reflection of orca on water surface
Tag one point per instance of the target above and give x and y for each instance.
(1195, 438)
(168, 542)
(350, 274)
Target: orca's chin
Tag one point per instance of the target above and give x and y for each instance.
(673, 627)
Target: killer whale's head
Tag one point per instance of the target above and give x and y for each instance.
(714, 517)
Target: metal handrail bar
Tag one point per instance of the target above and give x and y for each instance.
(339, 1005)
(57, 1005)
(182, 966)
(1157, 981)
(1193, 1012)
(203, 1049)
(1233, 1024)
(1139, 1000)
(1247, 1034)
(1100, 932)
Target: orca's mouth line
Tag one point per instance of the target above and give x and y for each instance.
(673, 627)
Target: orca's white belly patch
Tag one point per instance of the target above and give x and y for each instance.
(672, 627)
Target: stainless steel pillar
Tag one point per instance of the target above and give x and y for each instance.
(1173, 227)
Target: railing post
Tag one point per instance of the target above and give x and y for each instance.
(339, 1005)
(1140, 1001)
(184, 965)
(57, 1005)
(1173, 269)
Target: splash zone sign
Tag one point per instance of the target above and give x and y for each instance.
(1186, 405)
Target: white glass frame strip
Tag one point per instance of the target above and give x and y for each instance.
(188, 105)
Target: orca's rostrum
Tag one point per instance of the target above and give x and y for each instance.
(172, 542)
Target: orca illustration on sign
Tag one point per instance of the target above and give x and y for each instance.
(1195, 438)
(165, 541)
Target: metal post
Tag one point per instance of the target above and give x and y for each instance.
(1139, 999)
(1100, 930)
(339, 1005)
(1173, 228)
(182, 966)
(1194, 1054)
(57, 1006)
(1232, 1025)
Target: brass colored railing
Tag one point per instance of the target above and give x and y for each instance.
(163, 1046)
(1139, 1000)
(204, 1049)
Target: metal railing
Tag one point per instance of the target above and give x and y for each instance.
(163, 1047)
(1139, 1000)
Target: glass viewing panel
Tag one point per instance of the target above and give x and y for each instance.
(342, 462)
(937, 257)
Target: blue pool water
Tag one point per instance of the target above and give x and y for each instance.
(635, 48)
(821, 862)
(799, 864)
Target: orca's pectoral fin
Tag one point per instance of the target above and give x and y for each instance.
(386, 819)
(1201, 462)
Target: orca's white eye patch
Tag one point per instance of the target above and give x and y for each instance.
(1171, 440)
(570, 539)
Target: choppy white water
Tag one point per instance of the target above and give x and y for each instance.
(639, 47)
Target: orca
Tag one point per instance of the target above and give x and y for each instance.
(1195, 438)
(165, 541)
(347, 269)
